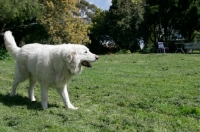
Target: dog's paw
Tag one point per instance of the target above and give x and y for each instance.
(44, 105)
(72, 107)
(33, 99)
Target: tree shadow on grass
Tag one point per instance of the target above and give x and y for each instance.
(19, 100)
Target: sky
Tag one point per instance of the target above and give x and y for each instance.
(103, 4)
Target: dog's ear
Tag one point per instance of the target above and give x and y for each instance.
(75, 68)
(72, 61)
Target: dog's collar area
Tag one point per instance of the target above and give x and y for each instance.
(86, 63)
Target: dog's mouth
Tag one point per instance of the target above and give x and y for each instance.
(86, 64)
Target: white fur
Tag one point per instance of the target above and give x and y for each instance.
(50, 65)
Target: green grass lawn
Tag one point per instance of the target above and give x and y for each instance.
(125, 93)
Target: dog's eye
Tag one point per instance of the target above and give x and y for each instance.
(85, 52)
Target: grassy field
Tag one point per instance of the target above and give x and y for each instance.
(121, 93)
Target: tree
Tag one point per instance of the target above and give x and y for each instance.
(17, 16)
(62, 23)
(163, 18)
(159, 20)
(189, 21)
(99, 31)
(18, 12)
(125, 17)
(86, 10)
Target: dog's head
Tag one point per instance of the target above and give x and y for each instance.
(85, 56)
(79, 56)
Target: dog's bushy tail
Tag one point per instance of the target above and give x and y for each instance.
(10, 43)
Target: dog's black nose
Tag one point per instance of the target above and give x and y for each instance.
(97, 57)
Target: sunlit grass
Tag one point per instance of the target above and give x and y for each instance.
(132, 92)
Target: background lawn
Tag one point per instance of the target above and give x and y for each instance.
(125, 93)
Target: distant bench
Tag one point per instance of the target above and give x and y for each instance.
(192, 46)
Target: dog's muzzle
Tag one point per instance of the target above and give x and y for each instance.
(96, 57)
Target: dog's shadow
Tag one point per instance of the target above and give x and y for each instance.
(19, 100)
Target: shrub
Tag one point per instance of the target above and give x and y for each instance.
(149, 48)
(4, 54)
(124, 51)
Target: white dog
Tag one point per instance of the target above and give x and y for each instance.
(50, 65)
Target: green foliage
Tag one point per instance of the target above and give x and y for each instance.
(190, 18)
(62, 23)
(123, 51)
(16, 12)
(196, 36)
(86, 10)
(117, 26)
(19, 10)
(159, 20)
(162, 18)
(20, 16)
(149, 48)
(4, 54)
(125, 17)
(99, 31)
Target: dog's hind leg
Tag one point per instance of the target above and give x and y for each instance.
(65, 96)
(44, 96)
(32, 83)
(17, 79)
(14, 87)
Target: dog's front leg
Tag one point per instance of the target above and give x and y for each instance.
(44, 96)
(65, 96)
